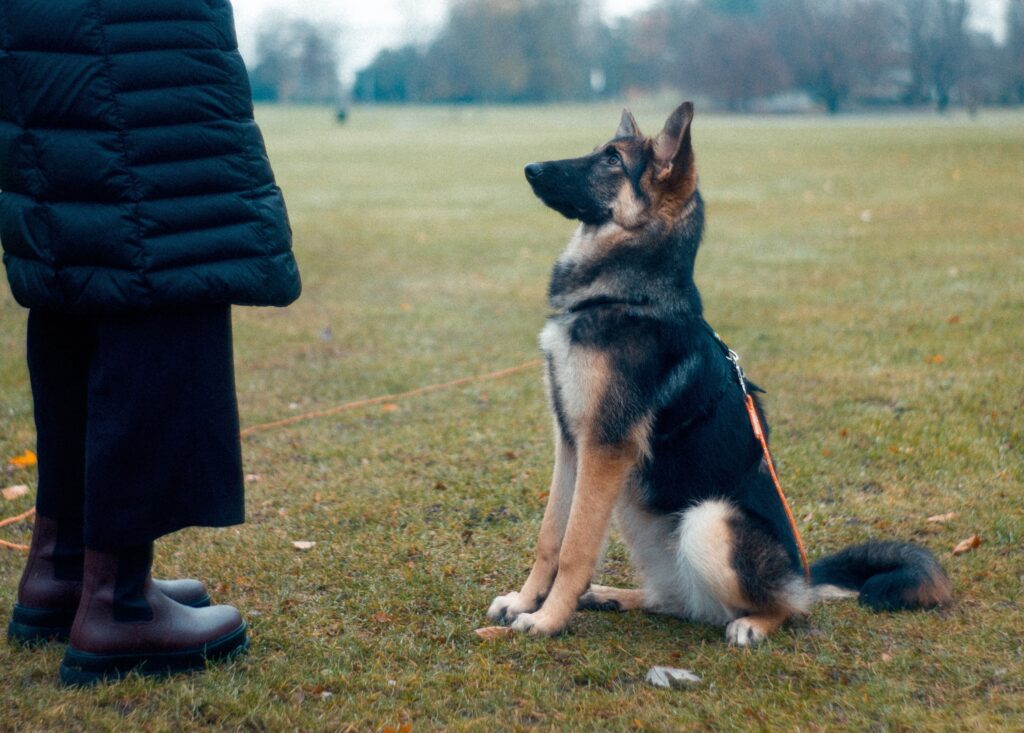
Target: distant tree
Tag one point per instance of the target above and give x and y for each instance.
(937, 47)
(559, 62)
(651, 50)
(733, 56)
(982, 73)
(833, 47)
(297, 61)
(393, 76)
(1014, 52)
(492, 51)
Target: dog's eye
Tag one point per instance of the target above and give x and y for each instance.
(612, 159)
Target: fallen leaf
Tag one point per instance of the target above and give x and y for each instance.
(967, 545)
(886, 657)
(303, 545)
(14, 492)
(953, 320)
(253, 477)
(672, 677)
(490, 633)
(25, 460)
(389, 407)
(317, 497)
(935, 359)
(382, 618)
(942, 518)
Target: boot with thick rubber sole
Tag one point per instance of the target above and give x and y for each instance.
(124, 624)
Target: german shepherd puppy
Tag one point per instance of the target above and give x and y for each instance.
(651, 426)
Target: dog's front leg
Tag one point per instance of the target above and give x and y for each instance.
(600, 478)
(504, 609)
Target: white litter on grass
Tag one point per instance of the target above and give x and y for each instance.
(672, 678)
(15, 492)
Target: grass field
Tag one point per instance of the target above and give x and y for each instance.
(870, 271)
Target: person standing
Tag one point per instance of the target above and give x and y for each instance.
(137, 205)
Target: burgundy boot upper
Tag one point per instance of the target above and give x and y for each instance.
(52, 578)
(137, 618)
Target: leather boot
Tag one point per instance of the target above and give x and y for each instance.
(125, 623)
(51, 586)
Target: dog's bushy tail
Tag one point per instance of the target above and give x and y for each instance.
(887, 576)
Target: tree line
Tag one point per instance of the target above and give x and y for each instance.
(733, 53)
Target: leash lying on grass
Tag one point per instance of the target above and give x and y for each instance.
(532, 364)
(12, 520)
(354, 405)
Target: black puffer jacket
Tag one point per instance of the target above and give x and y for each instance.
(132, 175)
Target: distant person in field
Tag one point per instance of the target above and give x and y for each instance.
(137, 207)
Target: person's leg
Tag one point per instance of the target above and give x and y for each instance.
(162, 444)
(60, 350)
(162, 453)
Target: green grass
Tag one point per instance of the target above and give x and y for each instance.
(841, 258)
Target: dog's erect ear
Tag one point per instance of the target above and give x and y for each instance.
(672, 149)
(628, 126)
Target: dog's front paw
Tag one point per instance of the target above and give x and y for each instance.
(742, 632)
(538, 624)
(504, 609)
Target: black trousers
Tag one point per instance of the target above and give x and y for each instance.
(136, 422)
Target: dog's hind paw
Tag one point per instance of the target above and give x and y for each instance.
(504, 609)
(592, 601)
(743, 632)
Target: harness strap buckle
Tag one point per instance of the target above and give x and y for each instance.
(734, 359)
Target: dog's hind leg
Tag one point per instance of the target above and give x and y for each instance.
(605, 598)
(504, 609)
(650, 538)
(751, 630)
(733, 572)
(708, 584)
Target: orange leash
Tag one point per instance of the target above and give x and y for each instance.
(755, 423)
(759, 433)
(389, 398)
(12, 520)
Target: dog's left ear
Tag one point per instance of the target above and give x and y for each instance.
(628, 126)
(673, 151)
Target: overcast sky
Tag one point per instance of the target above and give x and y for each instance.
(369, 25)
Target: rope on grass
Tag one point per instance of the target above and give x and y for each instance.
(490, 376)
(263, 427)
(12, 520)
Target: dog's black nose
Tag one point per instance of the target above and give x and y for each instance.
(534, 171)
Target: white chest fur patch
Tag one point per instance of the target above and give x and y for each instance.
(577, 372)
